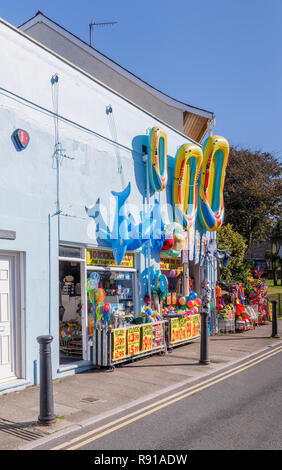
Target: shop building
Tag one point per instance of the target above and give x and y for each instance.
(70, 146)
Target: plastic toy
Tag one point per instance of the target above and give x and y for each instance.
(187, 169)
(158, 159)
(212, 177)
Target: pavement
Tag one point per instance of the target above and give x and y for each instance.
(89, 397)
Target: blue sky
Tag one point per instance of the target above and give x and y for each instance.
(220, 55)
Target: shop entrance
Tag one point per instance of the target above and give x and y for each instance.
(11, 334)
(70, 311)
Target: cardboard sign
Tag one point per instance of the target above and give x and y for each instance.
(147, 337)
(133, 340)
(182, 329)
(174, 330)
(119, 343)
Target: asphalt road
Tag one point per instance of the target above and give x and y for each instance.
(237, 409)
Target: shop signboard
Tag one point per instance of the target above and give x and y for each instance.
(168, 264)
(119, 343)
(147, 337)
(106, 258)
(133, 340)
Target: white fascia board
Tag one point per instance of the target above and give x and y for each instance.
(78, 42)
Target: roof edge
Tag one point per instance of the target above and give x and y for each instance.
(88, 75)
(40, 17)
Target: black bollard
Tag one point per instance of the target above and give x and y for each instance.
(274, 319)
(204, 338)
(47, 415)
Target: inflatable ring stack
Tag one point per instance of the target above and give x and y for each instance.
(187, 169)
(211, 204)
(158, 159)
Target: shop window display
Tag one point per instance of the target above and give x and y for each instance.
(116, 289)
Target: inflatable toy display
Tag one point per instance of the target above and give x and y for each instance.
(212, 177)
(187, 169)
(158, 159)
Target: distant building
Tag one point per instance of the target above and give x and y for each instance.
(256, 253)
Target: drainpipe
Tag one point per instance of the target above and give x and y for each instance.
(146, 161)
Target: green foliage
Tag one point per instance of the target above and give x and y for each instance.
(252, 193)
(234, 243)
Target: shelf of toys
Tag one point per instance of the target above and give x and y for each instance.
(225, 312)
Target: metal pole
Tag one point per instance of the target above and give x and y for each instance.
(47, 415)
(204, 337)
(274, 319)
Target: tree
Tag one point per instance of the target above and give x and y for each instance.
(233, 242)
(252, 194)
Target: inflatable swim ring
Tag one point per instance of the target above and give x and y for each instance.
(187, 169)
(158, 159)
(212, 177)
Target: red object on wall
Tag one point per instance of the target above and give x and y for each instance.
(21, 139)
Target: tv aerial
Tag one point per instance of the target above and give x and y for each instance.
(93, 23)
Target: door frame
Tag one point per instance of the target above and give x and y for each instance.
(17, 305)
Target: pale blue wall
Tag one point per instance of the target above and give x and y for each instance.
(28, 179)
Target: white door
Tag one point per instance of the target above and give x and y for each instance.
(6, 317)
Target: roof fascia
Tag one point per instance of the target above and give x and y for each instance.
(40, 18)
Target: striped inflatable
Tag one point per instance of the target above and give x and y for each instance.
(211, 182)
(187, 169)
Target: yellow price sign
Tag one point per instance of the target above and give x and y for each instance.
(147, 337)
(133, 340)
(119, 343)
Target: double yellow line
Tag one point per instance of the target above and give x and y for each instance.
(119, 423)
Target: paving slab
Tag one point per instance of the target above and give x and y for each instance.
(89, 396)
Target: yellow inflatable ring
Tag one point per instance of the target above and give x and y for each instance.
(211, 204)
(158, 159)
(187, 169)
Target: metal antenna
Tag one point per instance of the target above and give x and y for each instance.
(98, 24)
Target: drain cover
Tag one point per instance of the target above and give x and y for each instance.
(89, 400)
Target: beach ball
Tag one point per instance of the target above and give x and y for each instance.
(193, 295)
(198, 302)
(196, 309)
(182, 300)
(190, 303)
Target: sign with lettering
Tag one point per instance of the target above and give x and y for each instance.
(106, 258)
(133, 340)
(182, 329)
(147, 337)
(119, 343)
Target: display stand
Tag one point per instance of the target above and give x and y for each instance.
(115, 346)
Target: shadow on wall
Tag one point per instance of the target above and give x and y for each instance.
(138, 144)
